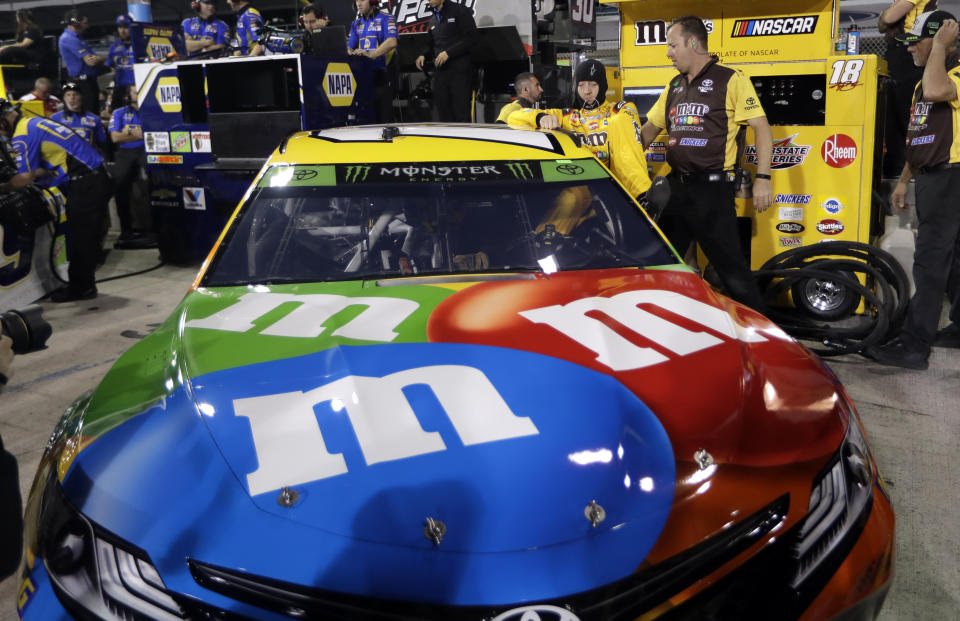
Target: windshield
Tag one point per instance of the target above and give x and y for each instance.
(348, 222)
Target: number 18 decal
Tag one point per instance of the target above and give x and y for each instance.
(846, 74)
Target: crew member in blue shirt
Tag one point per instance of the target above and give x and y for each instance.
(51, 155)
(87, 124)
(374, 35)
(249, 25)
(83, 66)
(127, 134)
(204, 32)
(120, 58)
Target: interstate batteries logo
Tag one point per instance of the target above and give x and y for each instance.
(786, 154)
(775, 26)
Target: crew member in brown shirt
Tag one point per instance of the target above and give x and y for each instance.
(705, 109)
(933, 158)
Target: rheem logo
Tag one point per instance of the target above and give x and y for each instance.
(839, 150)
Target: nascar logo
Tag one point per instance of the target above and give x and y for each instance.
(802, 24)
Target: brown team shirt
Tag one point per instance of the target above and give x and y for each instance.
(703, 118)
(933, 131)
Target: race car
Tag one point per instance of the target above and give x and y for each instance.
(456, 372)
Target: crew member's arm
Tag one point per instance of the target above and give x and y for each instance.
(762, 188)
(26, 42)
(121, 133)
(938, 85)
(84, 53)
(27, 148)
(898, 198)
(627, 160)
(254, 23)
(531, 117)
(464, 43)
(656, 120)
(390, 41)
(219, 40)
(894, 13)
(428, 51)
(192, 45)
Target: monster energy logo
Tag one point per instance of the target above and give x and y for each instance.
(520, 170)
(356, 174)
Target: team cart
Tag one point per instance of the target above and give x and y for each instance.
(456, 372)
(826, 113)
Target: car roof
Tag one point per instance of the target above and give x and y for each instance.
(435, 142)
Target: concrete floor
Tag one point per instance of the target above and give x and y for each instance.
(912, 418)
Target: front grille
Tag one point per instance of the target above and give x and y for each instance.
(624, 599)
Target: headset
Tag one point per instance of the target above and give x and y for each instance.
(310, 8)
(71, 18)
(195, 5)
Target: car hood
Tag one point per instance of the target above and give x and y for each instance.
(535, 418)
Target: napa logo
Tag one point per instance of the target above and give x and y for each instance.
(339, 84)
(168, 94)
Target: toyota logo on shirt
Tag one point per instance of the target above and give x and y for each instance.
(839, 150)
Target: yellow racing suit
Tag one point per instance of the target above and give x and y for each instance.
(611, 131)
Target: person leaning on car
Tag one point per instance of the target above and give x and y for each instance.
(610, 130)
(452, 35)
(933, 157)
(529, 91)
(704, 108)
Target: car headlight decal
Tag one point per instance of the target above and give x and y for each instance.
(839, 503)
(92, 571)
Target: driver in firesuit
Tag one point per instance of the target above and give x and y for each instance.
(610, 130)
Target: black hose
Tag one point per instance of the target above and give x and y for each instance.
(886, 294)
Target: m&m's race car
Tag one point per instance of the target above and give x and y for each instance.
(441, 372)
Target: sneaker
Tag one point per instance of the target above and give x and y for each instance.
(948, 337)
(66, 294)
(897, 354)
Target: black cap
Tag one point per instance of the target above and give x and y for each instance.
(590, 71)
(926, 25)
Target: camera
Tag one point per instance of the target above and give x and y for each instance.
(27, 328)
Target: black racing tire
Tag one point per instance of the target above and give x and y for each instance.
(825, 300)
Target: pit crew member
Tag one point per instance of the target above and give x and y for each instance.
(528, 89)
(704, 109)
(127, 134)
(374, 35)
(933, 158)
(313, 17)
(83, 66)
(52, 155)
(610, 130)
(453, 33)
(120, 58)
(204, 32)
(249, 25)
(87, 124)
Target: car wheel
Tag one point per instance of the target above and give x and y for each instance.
(824, 299)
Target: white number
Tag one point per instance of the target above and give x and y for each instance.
(620, 354)
(582, 11)
(377, 322)
(290, 446)
(846, 71)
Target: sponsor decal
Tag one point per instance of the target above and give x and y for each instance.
(158, 48)
(839, 151)
(656, 157)
(928, 139)
(657, 147)
(595, 140)
(672, 141)
(791, 242)
(832, 205)
(786, 154)
(339, 84)
(200, 141)
(918, 115)
(688, 114)
(163, 193)
(693, 142)
(790, 227)
(593, 125)
(650, 32)
(156, 142)
(168, 94)
(164, 159)
(579, 321)
(790, 213)
(414, 15)
(180, 142)
(193, 198)
(774, 26)
(830, 227)
(541, 612)
(793, 199)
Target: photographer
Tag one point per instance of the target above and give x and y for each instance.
(52, 155)
(11, 523)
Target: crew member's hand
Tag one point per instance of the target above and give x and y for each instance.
(947, 35)
(441, 58)
(548, 121)
(898, 198)
(762, 195)
(323, 22)
(419, 62)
